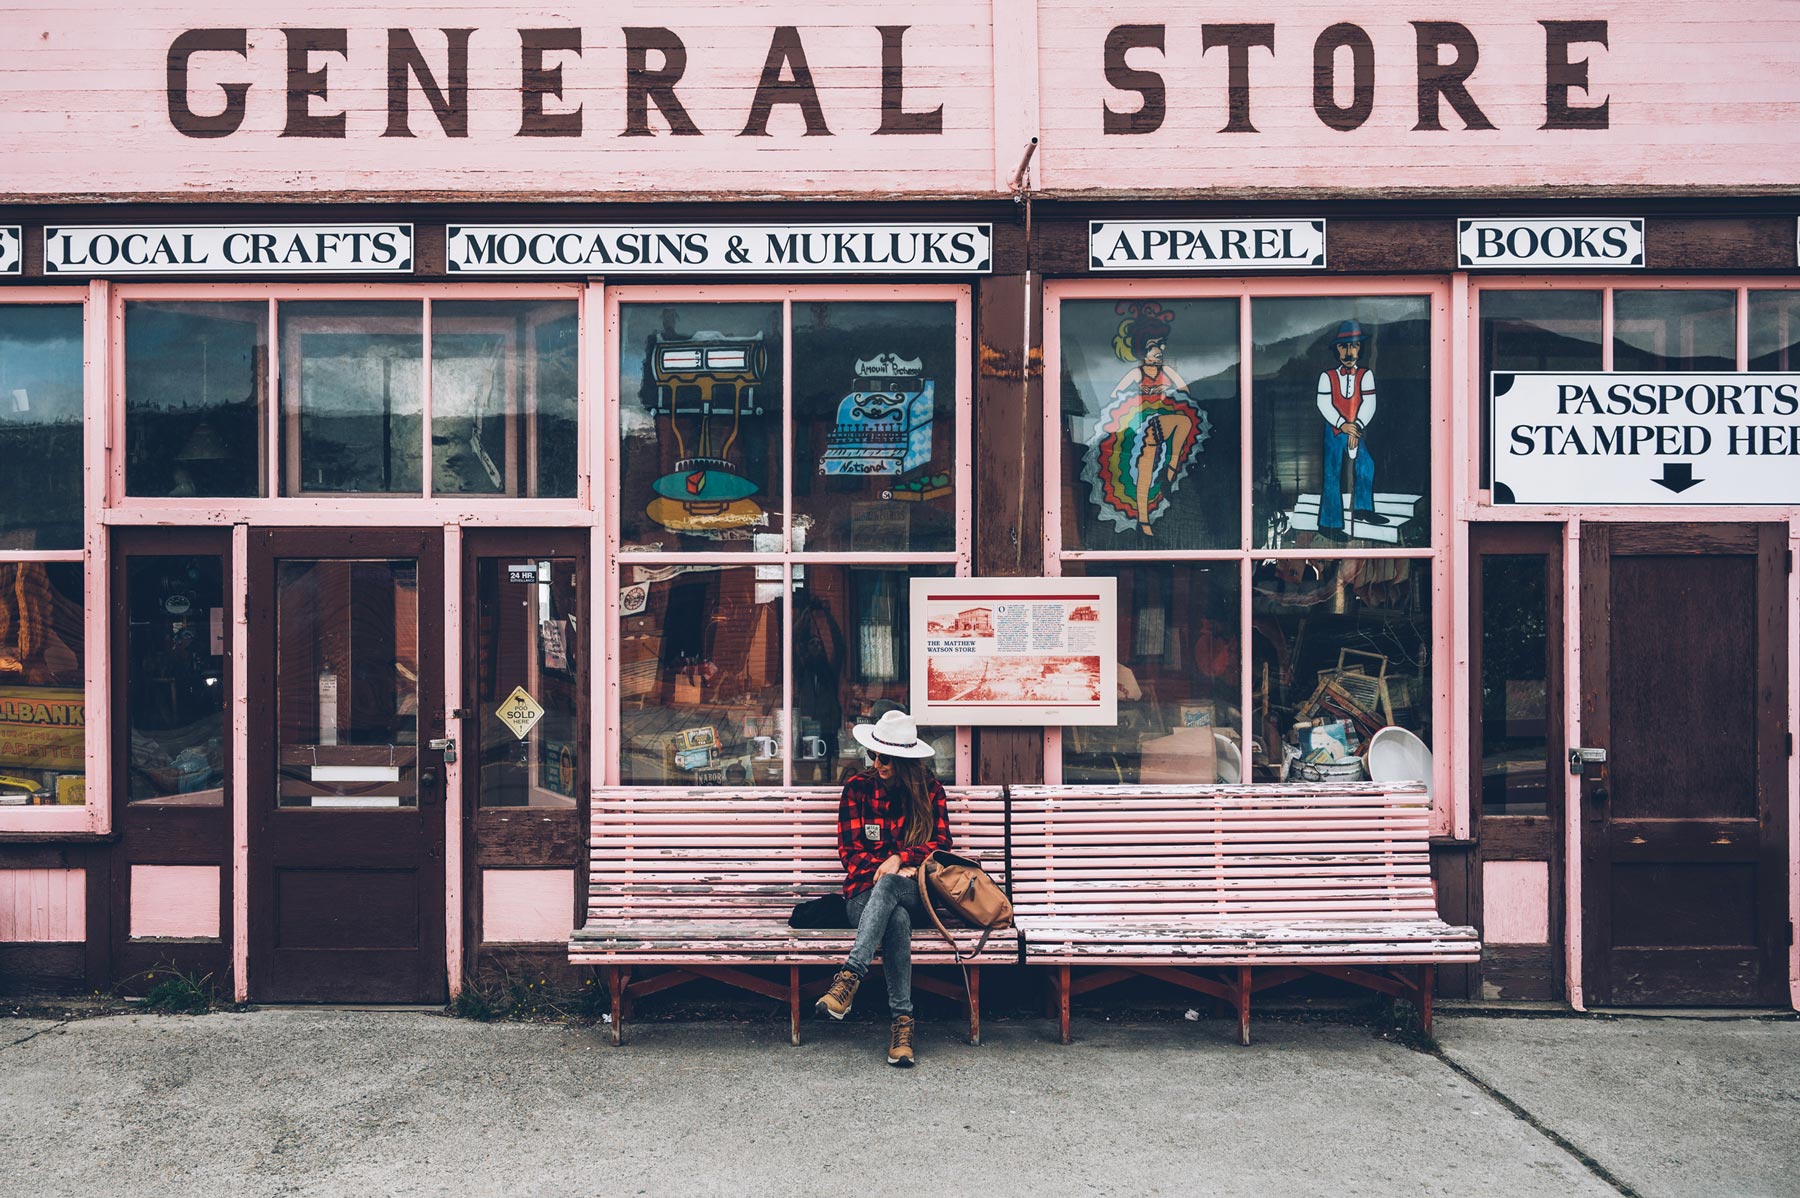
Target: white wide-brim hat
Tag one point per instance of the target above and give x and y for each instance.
(894, 734)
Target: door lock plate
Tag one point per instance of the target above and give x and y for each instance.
(446, 746)
(1584, 757)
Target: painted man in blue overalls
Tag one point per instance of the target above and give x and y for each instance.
(1347, 402)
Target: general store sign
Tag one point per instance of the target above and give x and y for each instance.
(227, 249)
(11, 246)
(1549, 243)
(614, 250)
(1596, 438)
(194, 100)
(1234, 245)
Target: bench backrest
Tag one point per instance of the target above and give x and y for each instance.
(742, 854)
(1296, 852)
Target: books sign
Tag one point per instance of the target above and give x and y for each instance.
(1567, 438)
(719, 249)
(1206, 244)
(1550, 243)
(227, 249)
(1015, 650)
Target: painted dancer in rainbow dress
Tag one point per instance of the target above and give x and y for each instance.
(1150, 430)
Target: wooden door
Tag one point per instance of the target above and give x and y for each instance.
(1517, 780)
(346, 797)
(1684, 685)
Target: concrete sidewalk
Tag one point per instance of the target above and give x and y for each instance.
(366, 1103)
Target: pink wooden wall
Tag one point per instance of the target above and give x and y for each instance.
(43, 905)
(178, 901)
(527, 906)
(1700, 96)
(83, 91)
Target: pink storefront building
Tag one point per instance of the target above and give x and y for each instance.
(410, 428)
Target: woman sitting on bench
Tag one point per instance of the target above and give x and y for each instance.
(892, 816)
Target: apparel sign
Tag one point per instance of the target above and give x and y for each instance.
(1206, 244)
(1702, 439)
(1550, 243)
(11, 247)
(227, 249)
(719, 249)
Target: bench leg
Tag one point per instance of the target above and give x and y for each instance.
(1427, 982)
(974, 1004)
(1243, 1004)
(1062, 1001)
(615, 990)
(794, 1004)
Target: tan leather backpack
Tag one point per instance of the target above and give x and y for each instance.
(959, 883)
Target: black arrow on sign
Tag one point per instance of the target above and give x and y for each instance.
(1678, 477)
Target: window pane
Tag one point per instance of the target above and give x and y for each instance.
(1150, 417)
(1515, 773)
(1534, 330)
(351, 397)
(700, 675)
(1340, 649)
(699, 425)
(530, 639)
(851, 663)
(1674, 330)
(43, 711)
(1179, 678)
(503, 398)
(875, 426)
(1775, 330)
(175, 675)
(196, 378)
(40, 426)
(1335, 459)
(347, 682)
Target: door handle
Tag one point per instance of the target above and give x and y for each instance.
(428, 777)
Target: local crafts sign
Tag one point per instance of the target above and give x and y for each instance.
(1550, 243)
(719, 249)
(1234, 245)
(227, 249)
(1592, 438)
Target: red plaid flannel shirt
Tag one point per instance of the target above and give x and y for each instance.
(870, 825)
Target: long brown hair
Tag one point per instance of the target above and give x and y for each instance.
(914, 779)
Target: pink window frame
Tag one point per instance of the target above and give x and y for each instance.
(95, 815)
(1475, 504)
(1448, 797)
(608, 711)
(275, 509)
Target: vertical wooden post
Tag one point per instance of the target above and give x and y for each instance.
(614, 991)
(1062, 1001)
(1243, 1004)
(1009, 499)
(794, 1004)
(974, 997)
(1427, 983)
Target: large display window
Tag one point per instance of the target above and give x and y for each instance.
(1259, 465)
(46, 734)
(785, 460)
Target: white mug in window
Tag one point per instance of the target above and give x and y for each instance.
(766, 748)
(812, 748)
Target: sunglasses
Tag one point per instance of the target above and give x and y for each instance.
(884, 758)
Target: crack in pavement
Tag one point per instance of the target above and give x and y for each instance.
(1538, 1125)
(39, 1032)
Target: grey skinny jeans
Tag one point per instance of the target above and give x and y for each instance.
(883, 915)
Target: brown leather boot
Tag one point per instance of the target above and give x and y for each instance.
(900, 1049)
(836, 1001)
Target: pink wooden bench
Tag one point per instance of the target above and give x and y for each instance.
(700, 883)
(1230, 890)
